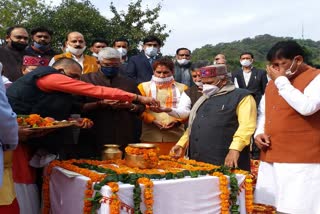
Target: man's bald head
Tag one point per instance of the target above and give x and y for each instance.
(68, 67)
(75, 43)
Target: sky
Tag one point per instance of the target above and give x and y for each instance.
(195, 23)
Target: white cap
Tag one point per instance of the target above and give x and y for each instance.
(108, 53)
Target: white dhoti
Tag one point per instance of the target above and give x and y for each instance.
(290, 187)
(28, 198)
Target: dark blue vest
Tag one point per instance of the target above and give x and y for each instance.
(213, 129)
(26, 98)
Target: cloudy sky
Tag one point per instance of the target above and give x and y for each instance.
(195, 23)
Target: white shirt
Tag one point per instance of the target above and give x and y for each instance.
(79, 60)
(182, 110)
(306, 103)
(246, 76)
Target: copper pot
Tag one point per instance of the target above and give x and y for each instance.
(111, 152)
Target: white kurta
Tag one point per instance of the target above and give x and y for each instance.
(290, 187)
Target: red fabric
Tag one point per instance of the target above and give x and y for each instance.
(12, 208)
(63, 83)
(21, 170)
(35, 61)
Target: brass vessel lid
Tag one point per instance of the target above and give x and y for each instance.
(111, 145)
(143, 145)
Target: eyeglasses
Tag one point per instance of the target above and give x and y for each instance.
(186, 55)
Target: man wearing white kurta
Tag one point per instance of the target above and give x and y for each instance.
(288, 133)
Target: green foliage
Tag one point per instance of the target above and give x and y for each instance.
(258, 45)
(18, 12)
(83, 16)
(137, 23)
(72, 15)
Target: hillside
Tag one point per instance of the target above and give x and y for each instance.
(258, 45)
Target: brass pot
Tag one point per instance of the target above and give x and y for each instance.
(137, 161)
(111, 152)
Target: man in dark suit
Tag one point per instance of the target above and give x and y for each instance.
(140, 66)
(250, 78)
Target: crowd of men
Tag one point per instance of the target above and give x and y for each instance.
(186, 108)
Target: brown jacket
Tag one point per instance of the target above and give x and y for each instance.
(294, 138)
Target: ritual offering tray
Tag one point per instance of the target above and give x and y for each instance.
(35, 121)
(142, 155)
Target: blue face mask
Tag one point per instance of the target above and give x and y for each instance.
(40, 47)
(110, 71)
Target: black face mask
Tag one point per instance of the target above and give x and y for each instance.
(18, 46)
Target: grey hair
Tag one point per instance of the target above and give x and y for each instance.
(108, 53)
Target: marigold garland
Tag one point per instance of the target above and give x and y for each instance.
(148, 194)
(93, 176)
(248, 189)
(150, 155)
(225, 193)
(168, 168)
(114, 201)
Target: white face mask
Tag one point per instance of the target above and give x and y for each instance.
(209, 90)
(75, 51)
(199, 84)
(162, 80)
(289, 73)
(151, 51)
(183, 61)
(246, 62)
(123, 51)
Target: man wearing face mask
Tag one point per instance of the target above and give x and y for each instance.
(122, 45)
(221, 122)
(140, 66)
(75, 46)
(40, 46)
(11, 55)
(114, 121)
(195, 91)
(288, 133)
(97, 45)
(249, 77)
(182, 71)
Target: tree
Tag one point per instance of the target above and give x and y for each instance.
(82, 16)
(137, 23)
(259, 46)
(72, 15)
(18, 12)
